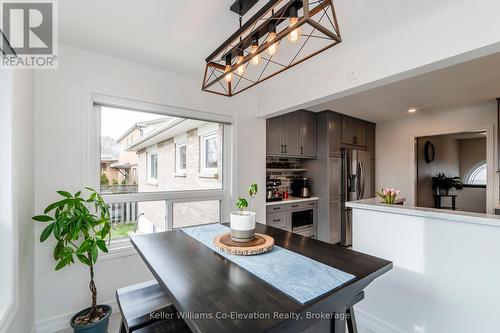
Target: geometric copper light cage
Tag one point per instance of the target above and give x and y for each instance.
(280, 35)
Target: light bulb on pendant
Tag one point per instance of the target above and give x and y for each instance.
(255, 46)
(294, 35)
(271, 50)
(229, 76)
(239, 59)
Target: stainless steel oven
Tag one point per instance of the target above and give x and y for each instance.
(302, 219)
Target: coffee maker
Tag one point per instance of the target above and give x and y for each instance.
(272, 191)
(301, 187)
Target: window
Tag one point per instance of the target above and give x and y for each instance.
(153, 166)
(209, 152)
(154, 149)
(476, 175)
(180, 158)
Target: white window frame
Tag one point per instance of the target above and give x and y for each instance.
(178, 170)
(474, 170)
(149, 155)
(203, 153)
(92, 130)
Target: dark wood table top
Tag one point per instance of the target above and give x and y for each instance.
(206, 287)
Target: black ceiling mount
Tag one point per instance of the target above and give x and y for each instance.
(240, 7)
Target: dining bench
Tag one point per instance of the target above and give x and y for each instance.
(146, 308)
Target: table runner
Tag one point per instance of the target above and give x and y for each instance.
(300, 277)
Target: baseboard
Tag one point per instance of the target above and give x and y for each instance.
(371, 323)
(61, 322)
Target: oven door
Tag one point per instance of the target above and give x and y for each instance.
(302, 219)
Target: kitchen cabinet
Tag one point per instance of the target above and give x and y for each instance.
(292, 135)
(277, 220)
(335, 221)
(370, 144)
(334, 133)
(353, 131)
(335, 180)
(307, 134)
(274, 136)
(282, 215)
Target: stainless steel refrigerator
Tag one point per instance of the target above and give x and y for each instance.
(355, 185)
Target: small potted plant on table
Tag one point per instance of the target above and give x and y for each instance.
(243, 222)
(80, 227)
(442, 184)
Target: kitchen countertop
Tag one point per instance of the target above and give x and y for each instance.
(441, 214)
(290, 200)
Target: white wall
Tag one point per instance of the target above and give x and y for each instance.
(20, 318)
(6, 232)
(394, 144)
(426, 45)
(444, 279)
(61, 106)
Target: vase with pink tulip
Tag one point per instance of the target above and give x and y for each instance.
(388, 195)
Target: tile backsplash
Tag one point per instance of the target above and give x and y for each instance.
(283, 169)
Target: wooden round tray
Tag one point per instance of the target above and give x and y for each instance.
(262, 243)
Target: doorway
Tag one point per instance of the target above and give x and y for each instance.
(452, 171)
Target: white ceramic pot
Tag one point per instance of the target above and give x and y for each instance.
(242, 226)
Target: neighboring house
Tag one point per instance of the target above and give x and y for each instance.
(171, 154)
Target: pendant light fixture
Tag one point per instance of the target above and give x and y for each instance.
(255, 47)
(229, 75)
(301, 29)
(271, 38)
(294, 35)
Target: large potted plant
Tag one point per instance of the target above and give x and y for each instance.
(80, 227)
(243, 221)
(441, 184)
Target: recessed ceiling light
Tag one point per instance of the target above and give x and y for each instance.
(412, 110)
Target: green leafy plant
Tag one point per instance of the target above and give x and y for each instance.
(243, 203)
(388, 195)
(104, 179)
(80, 227)
(442, 182)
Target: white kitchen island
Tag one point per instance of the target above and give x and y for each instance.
(446, 275)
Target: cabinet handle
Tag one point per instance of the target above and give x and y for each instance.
(276, 208)
(312, 204)
(355, 139)
(301, 150)
(281, 149)
(285, 148)
(295, 206)
(276, 220)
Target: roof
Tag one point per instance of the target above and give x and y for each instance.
(172, 127)
(141, 124)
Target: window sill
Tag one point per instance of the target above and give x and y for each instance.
(152, 182)
(180, 174)
(210, 175)
(118, 249)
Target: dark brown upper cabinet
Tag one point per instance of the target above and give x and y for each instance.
(353, 131)
(292, 135)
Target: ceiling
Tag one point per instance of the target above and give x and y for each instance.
(178, 35)
(456, 87)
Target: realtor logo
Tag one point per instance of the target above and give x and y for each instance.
(29, 34)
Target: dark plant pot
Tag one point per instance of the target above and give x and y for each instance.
(443, 191)
(99, 327)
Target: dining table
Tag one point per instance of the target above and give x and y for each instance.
(214, 294)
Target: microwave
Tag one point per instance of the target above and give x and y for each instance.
(302, 219)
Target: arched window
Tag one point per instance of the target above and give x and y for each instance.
(476, 175)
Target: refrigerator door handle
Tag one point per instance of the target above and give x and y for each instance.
(361, 181)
